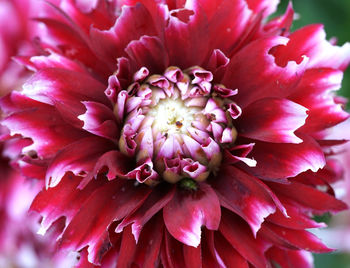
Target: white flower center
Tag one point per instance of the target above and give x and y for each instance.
(171, 116)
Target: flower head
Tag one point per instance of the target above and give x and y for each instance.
(180, 133)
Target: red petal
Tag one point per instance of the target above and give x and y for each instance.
(311, 42)
(111, 202)
(183, 40)
(66, 90)
(148, 247)
(185, 214)
(294, 239)
(242, 194)
(231, 19)
(172, 253)
(290, 258)
(148, 52)
(272, 120)
(237, 233)
(316, 92)
(77, 157)
(309, 197)
(277, 161)
(40, 122)
(158, 198)
(270, 79)
(63, 200)
(267, 7)
(110, 44)
(192, 256)
(99, 120)
(229, 256)
(297, 219)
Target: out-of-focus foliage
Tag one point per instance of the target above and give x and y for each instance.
(335, 15)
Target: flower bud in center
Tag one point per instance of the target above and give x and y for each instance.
(175, 125)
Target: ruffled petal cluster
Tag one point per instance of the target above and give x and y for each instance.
(180, 133)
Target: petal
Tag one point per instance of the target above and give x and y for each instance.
(240, 193)
(111, 202)
(231, 19)
(79, 157)
(309, 197)
(192, 256)
(63, 200)
(185, 214)
(148, 247)
(278, 161)
(311, 42)
(65, 89)
(183, 40)
(297, 219)
(99, 120)
(110, 44)
(159, 197)
(294, 239)
(290, 258)
(270, 79)
(237, 233)
(40, 122)
(148, 52)
(272, 120)
(267, 7)
(229, 256)
(316, 93)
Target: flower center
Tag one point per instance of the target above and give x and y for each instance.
(171, 116)
(176, 125)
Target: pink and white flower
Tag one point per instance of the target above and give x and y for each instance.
(180, 133)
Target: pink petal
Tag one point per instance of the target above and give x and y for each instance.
(277, 161)
(79, 157)
(270, 79)
(185, 214)
(240, 193)
(272, 120)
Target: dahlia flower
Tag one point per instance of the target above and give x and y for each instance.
(20, 246)
(180, 133)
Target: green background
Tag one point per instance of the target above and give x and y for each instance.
(335, 15)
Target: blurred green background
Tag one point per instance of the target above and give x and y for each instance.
(335, 15)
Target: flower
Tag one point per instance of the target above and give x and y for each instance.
(180, 133)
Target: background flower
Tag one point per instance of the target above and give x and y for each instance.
(239, 143)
